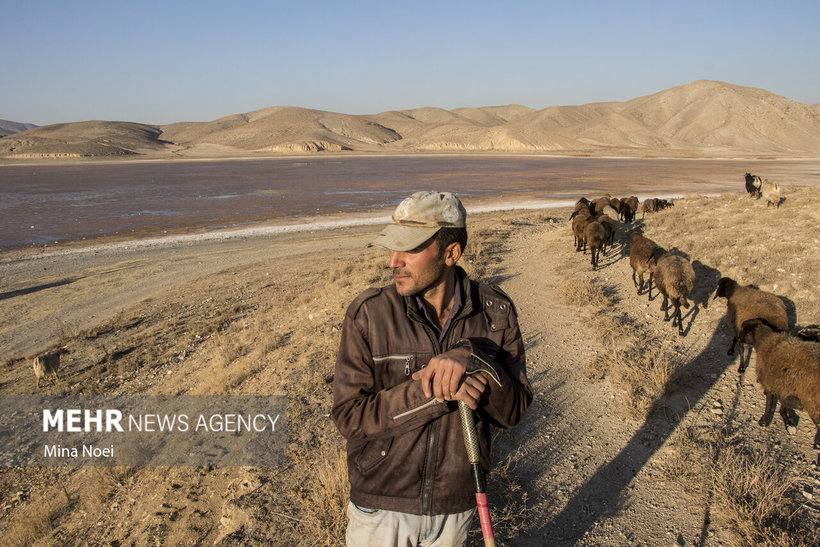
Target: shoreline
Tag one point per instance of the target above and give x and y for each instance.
(46, 162)
(336, 221)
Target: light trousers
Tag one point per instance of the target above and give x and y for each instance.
(380, 528)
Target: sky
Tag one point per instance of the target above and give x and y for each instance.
(160, 62)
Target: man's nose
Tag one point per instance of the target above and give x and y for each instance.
(396, 259)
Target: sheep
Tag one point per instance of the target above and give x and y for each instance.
(581, 204)
(580, 219)
(674, 278)
(597, 206)
(642, 254)
(770, 191)
(649, 206)
(48, 363)
(629, 207)
(654, 204)
(610, 224)
(753, 185)
(749, 302)
(595, 236)
(788, 369)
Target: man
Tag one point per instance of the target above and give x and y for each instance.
(409, 352)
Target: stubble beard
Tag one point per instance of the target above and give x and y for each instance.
(421, 283)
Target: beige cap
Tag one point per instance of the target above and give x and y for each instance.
(419, 217)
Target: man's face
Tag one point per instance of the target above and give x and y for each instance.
(418, 270)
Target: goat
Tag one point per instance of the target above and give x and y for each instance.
(770, 191)
(48, 363)
(753, 183)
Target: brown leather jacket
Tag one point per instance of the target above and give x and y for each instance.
(405, 453)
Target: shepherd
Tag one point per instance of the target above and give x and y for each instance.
(410, 354)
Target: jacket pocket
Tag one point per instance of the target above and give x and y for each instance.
(372, 453)
(396, 368)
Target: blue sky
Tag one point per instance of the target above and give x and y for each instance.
(168, 61)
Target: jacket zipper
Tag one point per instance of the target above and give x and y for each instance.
(432, 440)
(408, 361)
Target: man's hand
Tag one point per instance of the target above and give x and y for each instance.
(444, 379)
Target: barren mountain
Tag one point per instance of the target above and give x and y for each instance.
(83, 139)
(703, 118)
(9, 128)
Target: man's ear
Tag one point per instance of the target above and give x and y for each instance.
(452, 253)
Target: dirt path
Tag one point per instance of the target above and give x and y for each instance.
(594, 474)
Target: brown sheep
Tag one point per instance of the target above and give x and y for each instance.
(595, 235)
(48, 363)
(674, 278)
(749, 302)
(629, 207)
(788, 369)
(580, 219)
(642, 255)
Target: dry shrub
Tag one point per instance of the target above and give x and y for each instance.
(324, 506)
(611, 328)
(34, 522)
(643, 368)
(583, 291)
(750, 491)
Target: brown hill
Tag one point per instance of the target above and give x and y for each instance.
(283, 129)
(703, 118)
(83, 139)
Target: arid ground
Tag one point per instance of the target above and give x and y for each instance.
(636, 436)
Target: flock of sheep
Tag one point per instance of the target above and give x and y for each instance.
(787, 366)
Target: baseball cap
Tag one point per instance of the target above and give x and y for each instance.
(419, 217)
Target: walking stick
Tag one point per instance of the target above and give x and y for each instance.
(471, 443)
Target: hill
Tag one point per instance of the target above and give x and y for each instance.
(703, 118)
(83, 139)
(9, 128)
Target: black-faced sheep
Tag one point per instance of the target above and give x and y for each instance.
(642, 255)
(770, 191)
(674, 278)
(595, 235)
(749, 302)
(48, 363)
(788, 369)
(753, 183)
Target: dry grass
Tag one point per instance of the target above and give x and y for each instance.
(325, 504)
(35, 522)
(751, 492)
